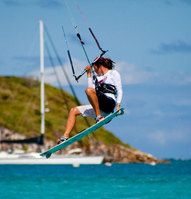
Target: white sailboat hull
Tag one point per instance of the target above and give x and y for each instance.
(31, 159)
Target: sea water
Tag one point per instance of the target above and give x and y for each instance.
(128, 181)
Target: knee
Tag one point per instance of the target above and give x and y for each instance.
(74, 111)
(89, 91)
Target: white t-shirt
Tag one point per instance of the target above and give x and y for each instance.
(111, 77)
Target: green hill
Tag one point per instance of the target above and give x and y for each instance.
(20, 111)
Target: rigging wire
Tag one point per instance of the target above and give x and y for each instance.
(71, 63)
(22, 120)
(69, 55)
(90, 30)
(60, 62)
(83, 47)
(78, 36)
(77, 31)
(70, 59)
(67, 78)
(58, 80)
(57, 77)
(81, 41)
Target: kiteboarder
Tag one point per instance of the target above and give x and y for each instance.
(104, 93)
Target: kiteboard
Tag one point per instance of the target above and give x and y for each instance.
(84, 133)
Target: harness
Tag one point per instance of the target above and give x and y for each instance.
(106, 88)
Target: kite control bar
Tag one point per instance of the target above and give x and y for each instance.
(84, 71)
(82, 44)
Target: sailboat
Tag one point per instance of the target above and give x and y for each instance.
(20, 157)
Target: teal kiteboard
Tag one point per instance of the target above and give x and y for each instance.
(84, 133)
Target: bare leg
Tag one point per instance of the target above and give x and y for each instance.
(70, 122)
(92, 97)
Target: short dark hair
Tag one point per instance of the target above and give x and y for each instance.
(106, 62)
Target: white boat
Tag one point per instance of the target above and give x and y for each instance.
(20, 157)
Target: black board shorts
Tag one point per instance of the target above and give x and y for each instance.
(106, 104)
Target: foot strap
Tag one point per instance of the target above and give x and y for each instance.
(98, 118)
(63, 139)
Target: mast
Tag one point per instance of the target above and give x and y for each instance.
(42, 77)
(38, 139)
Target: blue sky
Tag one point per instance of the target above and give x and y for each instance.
(150, 43)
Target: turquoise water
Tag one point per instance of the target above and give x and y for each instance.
(130, 181)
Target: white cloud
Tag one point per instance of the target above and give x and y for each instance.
(187, 80)
(183, 102)
(158, 113)
(178, 78)
(130, 74)
(158, 137)
(165, 138)
(50, 76)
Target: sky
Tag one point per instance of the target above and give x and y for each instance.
(150, 43)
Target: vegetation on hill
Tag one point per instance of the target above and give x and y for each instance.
(20, 111)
